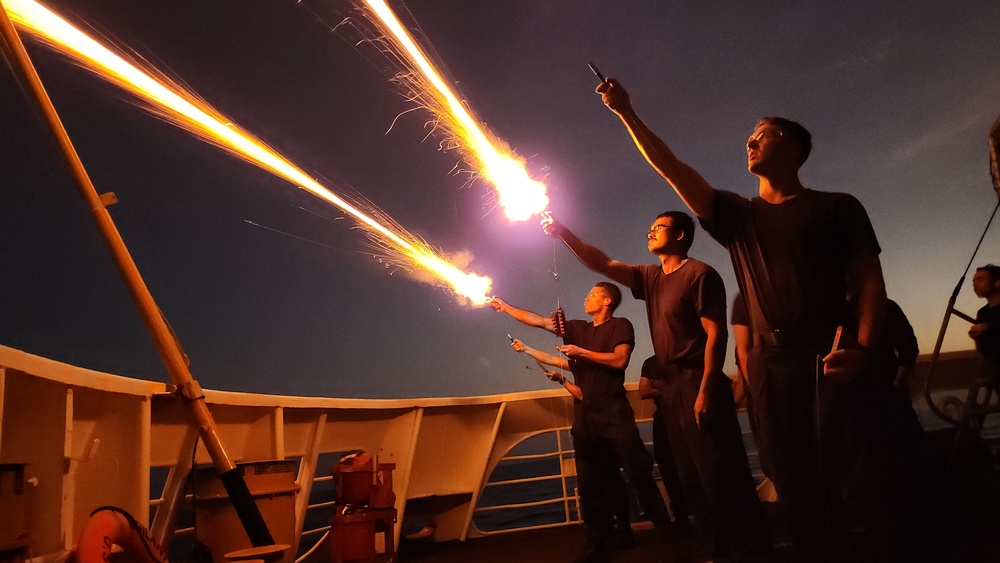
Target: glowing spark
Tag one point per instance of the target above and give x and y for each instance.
(520, 196)
(186, 110)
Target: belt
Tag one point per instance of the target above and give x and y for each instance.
(675, 368)
(776, 339)
(770, 339)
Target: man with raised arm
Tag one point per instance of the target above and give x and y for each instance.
(604, 427)
(797, 253)
(686, 310)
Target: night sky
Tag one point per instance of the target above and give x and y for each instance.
(899, 97)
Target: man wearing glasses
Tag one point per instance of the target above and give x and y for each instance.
(686, 309)
(827, 420)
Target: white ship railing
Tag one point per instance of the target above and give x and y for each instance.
(90, 439)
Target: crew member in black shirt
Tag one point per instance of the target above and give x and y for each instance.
(604, 428)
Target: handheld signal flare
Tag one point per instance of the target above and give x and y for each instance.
(559, 320)
(596, 72)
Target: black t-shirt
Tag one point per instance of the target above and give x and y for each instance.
(597, 381)
(988, 343)
(675, 304)
(791, 259)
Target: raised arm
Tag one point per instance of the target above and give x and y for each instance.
(575, 390)
(617, 359)
(543, 357)
(591, 257)
(548, 359)
(526, 317)
(687, 182)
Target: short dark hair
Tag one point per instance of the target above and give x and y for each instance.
(992, 270)
(612, 291)
(682, 221)
(794, 130)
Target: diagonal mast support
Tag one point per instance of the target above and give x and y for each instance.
(163, 338)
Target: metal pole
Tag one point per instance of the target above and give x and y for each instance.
(164, 340)
(937, 351)
(944, 325)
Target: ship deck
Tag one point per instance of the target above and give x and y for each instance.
(970, 518)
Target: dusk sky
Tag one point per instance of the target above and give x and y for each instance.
(272, 290)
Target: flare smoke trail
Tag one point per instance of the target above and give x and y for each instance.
(186, 110)
(520, 196)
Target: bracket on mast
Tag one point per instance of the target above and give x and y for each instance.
(108, 199)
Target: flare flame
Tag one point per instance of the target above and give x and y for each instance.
(193, 114)
(520, 196)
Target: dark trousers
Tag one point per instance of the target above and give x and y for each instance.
(668, 467)
(863, 444)
(606, 438)
(712, 463)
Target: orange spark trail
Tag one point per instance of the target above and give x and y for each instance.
(520, 196)
(186, 110)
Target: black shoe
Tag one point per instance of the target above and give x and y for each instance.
(593, 554)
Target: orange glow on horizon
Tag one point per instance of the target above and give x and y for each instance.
(520, 196)
(188, 111)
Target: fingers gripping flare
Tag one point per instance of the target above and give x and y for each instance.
(549, 224)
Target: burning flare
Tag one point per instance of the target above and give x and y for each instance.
(186, 110)
(520, 196)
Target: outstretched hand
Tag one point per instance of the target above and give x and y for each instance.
(571, 350)
(498, 304)
(550, 226)
(614, 96)
(551, 374)
(517, 345)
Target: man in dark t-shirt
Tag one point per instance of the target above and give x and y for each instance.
(604, 432)
(686, 310)
(986, 331)
(827, 420)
